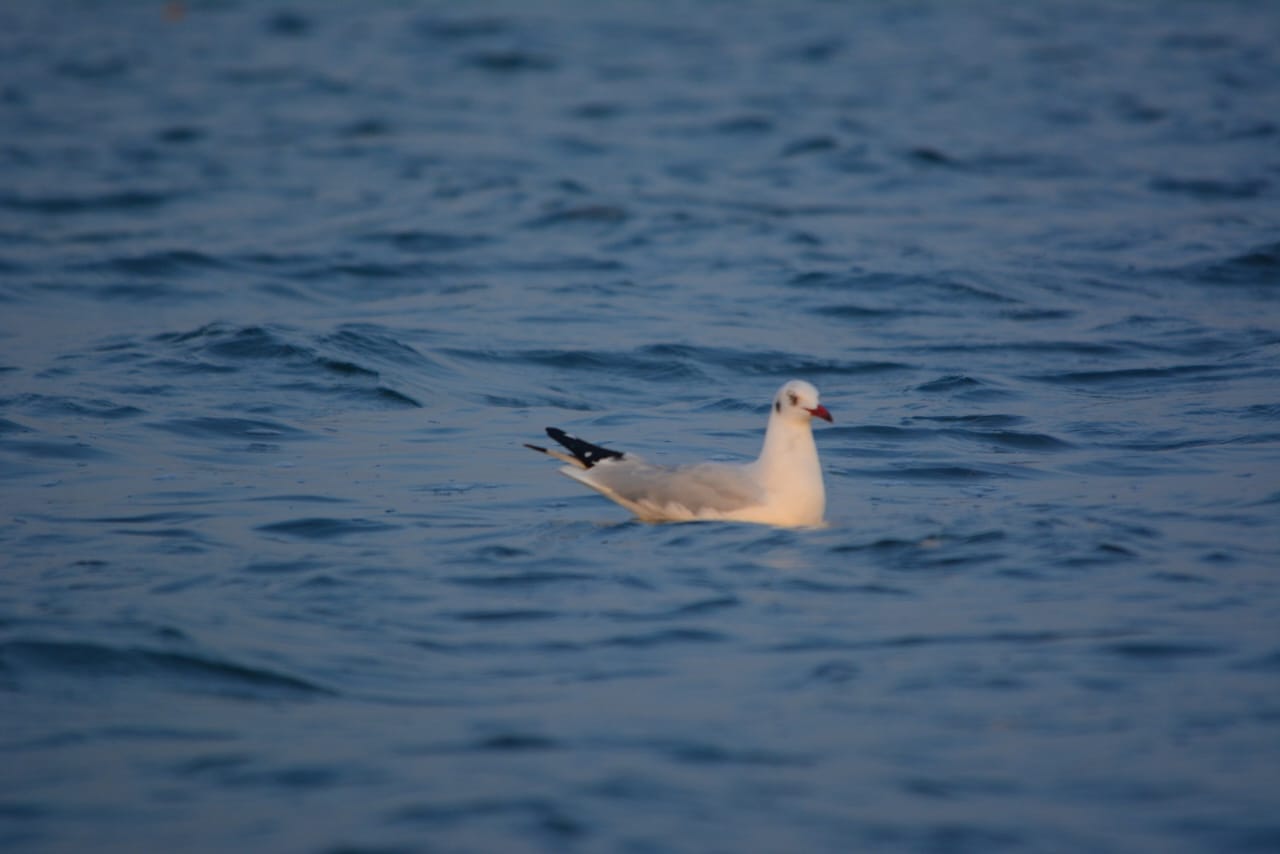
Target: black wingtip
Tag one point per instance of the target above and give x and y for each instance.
(537, 448)
(583, 451)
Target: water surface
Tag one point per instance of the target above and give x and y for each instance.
(283, 290)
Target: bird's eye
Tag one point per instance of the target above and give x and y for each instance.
(791, 395)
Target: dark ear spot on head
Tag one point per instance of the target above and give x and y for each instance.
(777, 406)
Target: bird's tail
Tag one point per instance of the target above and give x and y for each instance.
(551, 452)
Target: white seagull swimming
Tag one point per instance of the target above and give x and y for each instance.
(782, 487)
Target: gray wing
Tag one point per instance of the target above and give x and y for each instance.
(714, 488)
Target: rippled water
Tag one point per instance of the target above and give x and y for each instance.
(284, 289)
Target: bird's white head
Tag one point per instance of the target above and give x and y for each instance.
(798, 400)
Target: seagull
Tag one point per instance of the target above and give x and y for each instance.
(782, 487)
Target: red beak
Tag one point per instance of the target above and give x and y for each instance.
(820, 411)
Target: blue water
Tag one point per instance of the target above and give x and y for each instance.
(283, 290)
